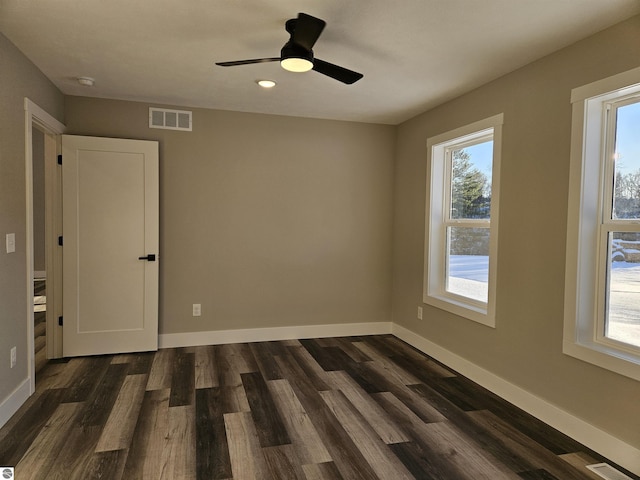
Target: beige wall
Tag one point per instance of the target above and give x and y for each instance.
(19, 78)
(265, 220)
(526, 346)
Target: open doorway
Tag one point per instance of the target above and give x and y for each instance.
(43, 225)
(39, 250)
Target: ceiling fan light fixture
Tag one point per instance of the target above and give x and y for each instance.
(293, 64)
(294, 58)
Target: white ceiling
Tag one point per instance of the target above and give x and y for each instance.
(414, 54)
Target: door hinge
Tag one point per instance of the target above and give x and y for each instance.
(59, 159)
(60, 321)
(60, 241)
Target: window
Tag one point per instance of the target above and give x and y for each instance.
(602, 291)
(462, 214)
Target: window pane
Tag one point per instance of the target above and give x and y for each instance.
(471, 181)
(623, 306)
(468, 262)
(626, 198)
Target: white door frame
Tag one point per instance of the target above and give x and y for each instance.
(37, 117)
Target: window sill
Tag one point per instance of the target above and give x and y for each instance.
(604, 356)
(463, 309)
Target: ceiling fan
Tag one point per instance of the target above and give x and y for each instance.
(297, 53)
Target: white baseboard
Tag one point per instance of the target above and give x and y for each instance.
(598, 440)
(14, 401)
(220, 337)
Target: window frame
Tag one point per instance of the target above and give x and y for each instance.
(438, 201)
(588, 227)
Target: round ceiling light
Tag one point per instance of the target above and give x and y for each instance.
(266, 83)
(86, 81)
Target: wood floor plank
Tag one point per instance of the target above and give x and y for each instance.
(100, 402)
(484, 438)
(206, 370)
(384, 463)
(124, 358)
(64, 377)
(304, 437)
(368, 408)
(46, 447)
(316, 375)
(21, 430)
(212, 451)
(49, 375)
(73, 459)
(579, 461)
(345, 454)
(183, 379)
(239, 355)
(282, 463)
(225, 359)
(145, 454)
(179, 449)
(119, 427)
(322, 471)
(421, 462)
(463, 454)
(266, 416)
(87, 379)
(401, 348)
(247, 460)
(105, 465)
(264, 353)
(391, 368)
(161, 370)
(540, 474)
(346, 346)
(234, 399)
(141, 363)
(424, 410)
(419, 455)
(329, 358)
(519, 445)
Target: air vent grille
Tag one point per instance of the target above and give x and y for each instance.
(170, 119)
(605, 470)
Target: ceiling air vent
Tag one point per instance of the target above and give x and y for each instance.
(605, 470)
(170, 119)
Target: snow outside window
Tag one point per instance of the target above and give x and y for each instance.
(461, 226)
(602, 294)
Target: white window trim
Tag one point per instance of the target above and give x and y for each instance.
(434, 261)
(583, 299)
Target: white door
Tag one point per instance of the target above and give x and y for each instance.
(110, 245)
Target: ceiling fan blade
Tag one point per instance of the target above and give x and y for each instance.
(307, 31)
(336, 72)
(248, 62)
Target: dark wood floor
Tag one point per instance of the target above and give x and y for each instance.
(40, 327)
(339, 408)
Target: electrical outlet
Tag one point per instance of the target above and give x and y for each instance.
(197, 309)
(419, 313)
(13, 357)
(11, 242)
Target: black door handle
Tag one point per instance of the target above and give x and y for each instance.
(149, 258)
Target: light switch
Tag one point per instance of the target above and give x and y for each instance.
(11, 242)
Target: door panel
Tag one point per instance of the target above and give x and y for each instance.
(110, 220)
